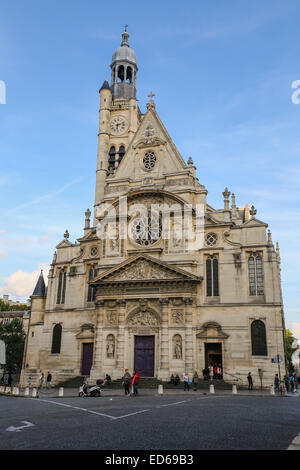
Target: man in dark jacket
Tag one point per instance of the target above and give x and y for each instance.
(250, 381)
(134, 383)
(126, 382)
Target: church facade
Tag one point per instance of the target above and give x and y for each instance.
(160, 281)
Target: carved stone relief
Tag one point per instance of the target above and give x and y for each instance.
(177, 316)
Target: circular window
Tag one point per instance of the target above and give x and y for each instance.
(149, 160)
(94, 251)
(211, 239)
(146, 230)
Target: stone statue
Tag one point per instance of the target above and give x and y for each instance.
(110, 347)
(178, 348)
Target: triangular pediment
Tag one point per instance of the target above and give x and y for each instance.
(151, 135)
(144, 268)
(253, 222)
(90, 235)
(64, 244)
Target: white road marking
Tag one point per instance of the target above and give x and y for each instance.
(131, 414)
(18, 429)
(170, 404)
(76, 408)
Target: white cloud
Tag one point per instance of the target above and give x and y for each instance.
(2, 254)
(20, 284)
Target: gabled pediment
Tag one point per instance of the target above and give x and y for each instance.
(211, 330)
(253, 222)
(90, 235)
(144, 268)
(150, 135)
(64, 244)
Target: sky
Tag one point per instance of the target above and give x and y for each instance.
(222, 74)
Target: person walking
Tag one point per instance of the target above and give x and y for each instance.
(10, 380)
(126, 382)
(250, 381)
(186, 382)
(292, 383)
(42, 378)
(276, 383)
(48, 381)
(134, 382)
(195, 381)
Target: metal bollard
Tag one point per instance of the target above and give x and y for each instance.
(34, 393)
(234, 389)
(61, 391)
(211, 388)
(272, 391)
(160, 389)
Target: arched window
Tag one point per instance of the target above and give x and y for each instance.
(129, 75)
(56, 339)
(258, 338)
(121, 153)
(112, 158)
(121, 73)
(256, 278)
(212, 276)
(91, 289)
(61, 290)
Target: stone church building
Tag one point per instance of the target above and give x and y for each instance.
(134, 292)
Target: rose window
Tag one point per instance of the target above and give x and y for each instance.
(211, 239)
(149, 160)
(94, 251)
(146, 230)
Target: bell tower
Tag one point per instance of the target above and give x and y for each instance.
(123, 70)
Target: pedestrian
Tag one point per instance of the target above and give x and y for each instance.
(134, 382)
(292, 383)
(48, 382)
(177, 380)
(219, 372)
(215, 371)
(10, 380)
(172, 379)
(287, 383)
(126, 382)
(276, 382)
(195, 381)
(42, 378)
(2, 380)
(250, 381)
(186, 382)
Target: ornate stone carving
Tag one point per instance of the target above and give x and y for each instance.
(177, 316)
(143, 319)
(143, 269)
(177, 347)
(112, 317)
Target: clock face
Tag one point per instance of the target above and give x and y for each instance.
(118, 125)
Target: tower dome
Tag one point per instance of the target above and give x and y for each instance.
(123, 70)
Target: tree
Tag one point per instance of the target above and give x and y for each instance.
(14, 338)
(6, 307)
(290, 349)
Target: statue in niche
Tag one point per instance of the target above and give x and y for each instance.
(177, 347)
(110, 347)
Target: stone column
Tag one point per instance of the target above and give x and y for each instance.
(121, 337)
(188, 335)
(98, 342)
(163, 372)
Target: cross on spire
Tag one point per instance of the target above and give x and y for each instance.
(125, 27)
(151, 95)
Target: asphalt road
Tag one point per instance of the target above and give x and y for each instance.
(184, 422)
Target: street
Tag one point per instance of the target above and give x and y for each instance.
(183, 422)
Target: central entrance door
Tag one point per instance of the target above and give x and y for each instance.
(144, 355)
(87, 358)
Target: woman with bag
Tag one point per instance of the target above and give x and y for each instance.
(186, 381)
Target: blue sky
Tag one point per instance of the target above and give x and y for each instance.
(222, 74)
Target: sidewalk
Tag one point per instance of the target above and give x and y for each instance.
(106, 392)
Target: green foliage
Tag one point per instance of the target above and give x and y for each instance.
(289, 340)
(6, 307)
(14, 338)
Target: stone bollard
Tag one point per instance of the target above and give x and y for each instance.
(16, 391)
(1, 389)
(34, 393)
(160, 389)
(26, 393)
(234, 389)
(272, 391)
(61, 391)
(211, 388)
(7, 390)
